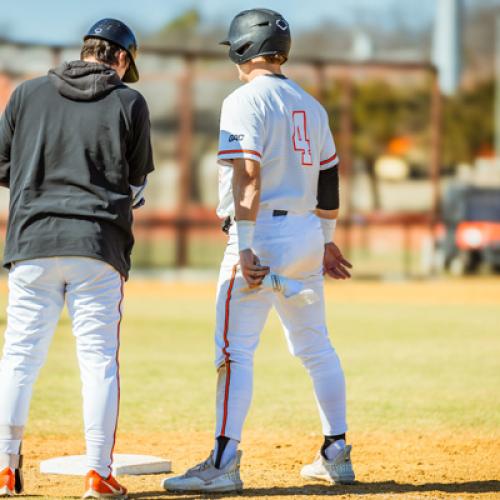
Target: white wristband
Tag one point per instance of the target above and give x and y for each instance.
(138, 195)
(328, 227)
(245, 230)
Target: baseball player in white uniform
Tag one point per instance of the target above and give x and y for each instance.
(279, 199)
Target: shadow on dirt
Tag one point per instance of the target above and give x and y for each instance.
(385, 487)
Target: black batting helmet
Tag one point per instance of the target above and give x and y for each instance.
(120, 34)
(257, 32)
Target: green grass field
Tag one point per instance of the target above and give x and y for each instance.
(418, 357)
(205, 251)
(406, 364)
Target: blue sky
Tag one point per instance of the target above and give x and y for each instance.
(63, 21)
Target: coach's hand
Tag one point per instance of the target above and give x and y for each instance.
(334, 263)
(251, 269)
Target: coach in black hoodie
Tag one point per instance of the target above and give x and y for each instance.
(75, 152)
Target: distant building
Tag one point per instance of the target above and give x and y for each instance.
(362, 47)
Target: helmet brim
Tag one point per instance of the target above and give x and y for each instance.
(225, 42)
(132, 74)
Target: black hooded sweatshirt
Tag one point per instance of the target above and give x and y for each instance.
(71, 144)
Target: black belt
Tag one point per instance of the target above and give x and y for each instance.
(229, 220)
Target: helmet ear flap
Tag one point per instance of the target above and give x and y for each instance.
(241, 50)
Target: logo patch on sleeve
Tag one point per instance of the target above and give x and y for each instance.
(236, 137)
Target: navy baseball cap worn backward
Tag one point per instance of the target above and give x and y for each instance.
(257, 32)
(120, 34)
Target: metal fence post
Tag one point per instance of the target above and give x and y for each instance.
(185, 156)
(346, 131)
(436, 145)
(435, 159)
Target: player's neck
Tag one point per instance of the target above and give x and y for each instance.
(253, 69)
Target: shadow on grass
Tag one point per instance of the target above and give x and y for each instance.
(383, 487)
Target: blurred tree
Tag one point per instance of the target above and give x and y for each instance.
(382, 112)
(188, 31)
(186, 23)
(468, 123)
(182, 30)
(375, 121)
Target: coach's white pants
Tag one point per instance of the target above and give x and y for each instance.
(292, 246)
(37, 292)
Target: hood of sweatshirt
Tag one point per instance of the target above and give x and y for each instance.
(84, 81)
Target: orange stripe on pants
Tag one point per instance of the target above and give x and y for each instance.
(118, 328)
(226, 354)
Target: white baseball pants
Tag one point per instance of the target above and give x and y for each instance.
(38, 289)
(292, 246)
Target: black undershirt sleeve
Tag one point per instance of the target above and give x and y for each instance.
(328, 189)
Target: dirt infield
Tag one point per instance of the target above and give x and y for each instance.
(422, 465)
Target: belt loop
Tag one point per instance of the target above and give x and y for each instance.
(280, 213)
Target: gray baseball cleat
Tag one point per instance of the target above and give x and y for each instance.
(338, 470)
(206, 477)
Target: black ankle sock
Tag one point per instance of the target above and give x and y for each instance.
(221, 446)
(329, 440)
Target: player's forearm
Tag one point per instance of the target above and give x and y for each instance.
(246, 189)
(246, 193)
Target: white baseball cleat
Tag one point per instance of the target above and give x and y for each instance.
(206, 477)
(338, 470)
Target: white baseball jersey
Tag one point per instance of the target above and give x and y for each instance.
(274, 121)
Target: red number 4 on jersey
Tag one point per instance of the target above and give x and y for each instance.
(301, 142)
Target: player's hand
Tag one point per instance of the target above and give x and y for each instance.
(251, 269)
(334, 263)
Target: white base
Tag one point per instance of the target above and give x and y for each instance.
(135, 465)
